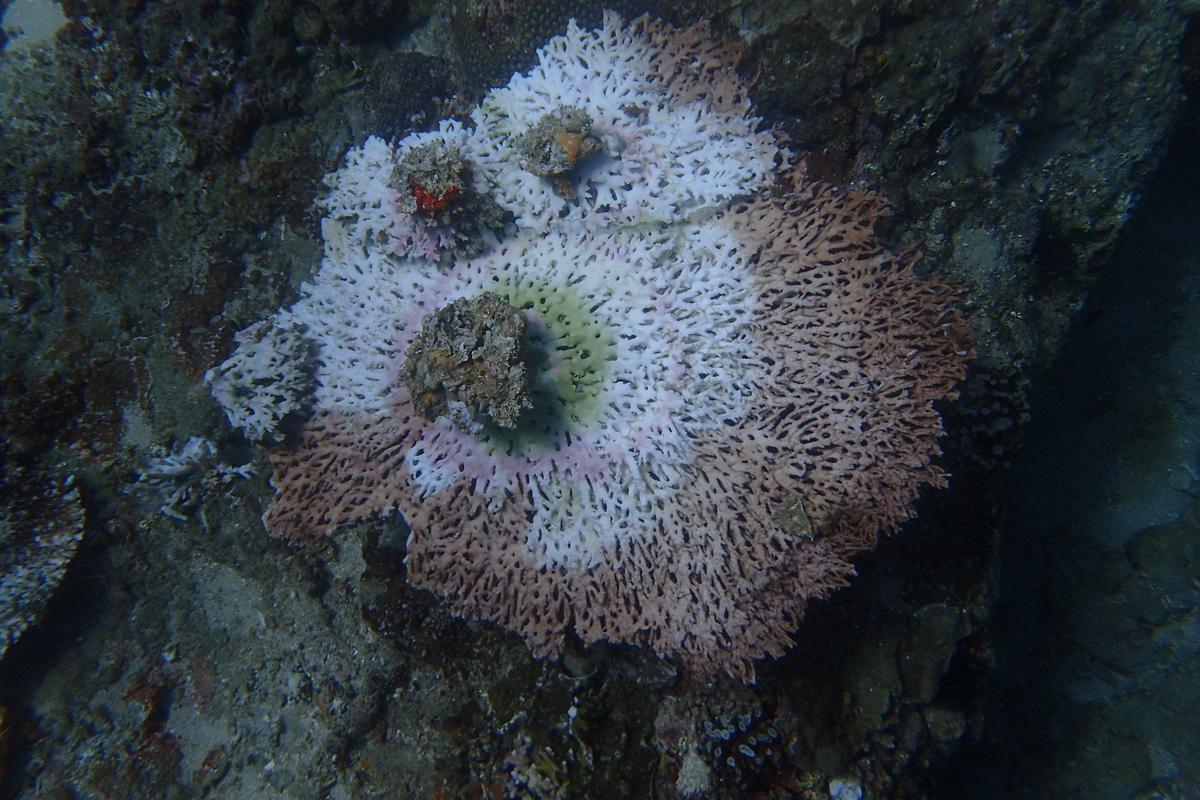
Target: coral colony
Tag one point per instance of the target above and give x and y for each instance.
(41, 527)
(624, 370)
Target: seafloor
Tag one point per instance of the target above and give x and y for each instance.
(1033, 633)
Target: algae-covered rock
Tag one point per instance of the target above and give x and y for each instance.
(469, 362)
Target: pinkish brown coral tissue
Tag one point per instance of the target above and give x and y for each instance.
(729, 380)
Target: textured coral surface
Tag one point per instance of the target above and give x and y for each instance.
(41, 525)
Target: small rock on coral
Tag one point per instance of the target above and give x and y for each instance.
(469, 362)
(790, 516)
(435, 185)
(432, 180)
(554, 146)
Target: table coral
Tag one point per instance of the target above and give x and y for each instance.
(731, 379)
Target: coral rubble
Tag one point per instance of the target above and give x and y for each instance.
(180, 478)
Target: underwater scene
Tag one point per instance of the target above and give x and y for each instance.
(506, 399)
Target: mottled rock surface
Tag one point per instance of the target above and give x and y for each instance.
(554, 147)
(470, 362)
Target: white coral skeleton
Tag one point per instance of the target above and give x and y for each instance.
(182, 477)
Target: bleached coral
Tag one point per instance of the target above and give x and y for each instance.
(181, 478)
(674, 152)
(709, 356)
(679, 141)
(266, 380)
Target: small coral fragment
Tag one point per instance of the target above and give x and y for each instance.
(268, 381)
(434, 185)
(695, 777)
(469, 362)
(556, 145)
(182, 477)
